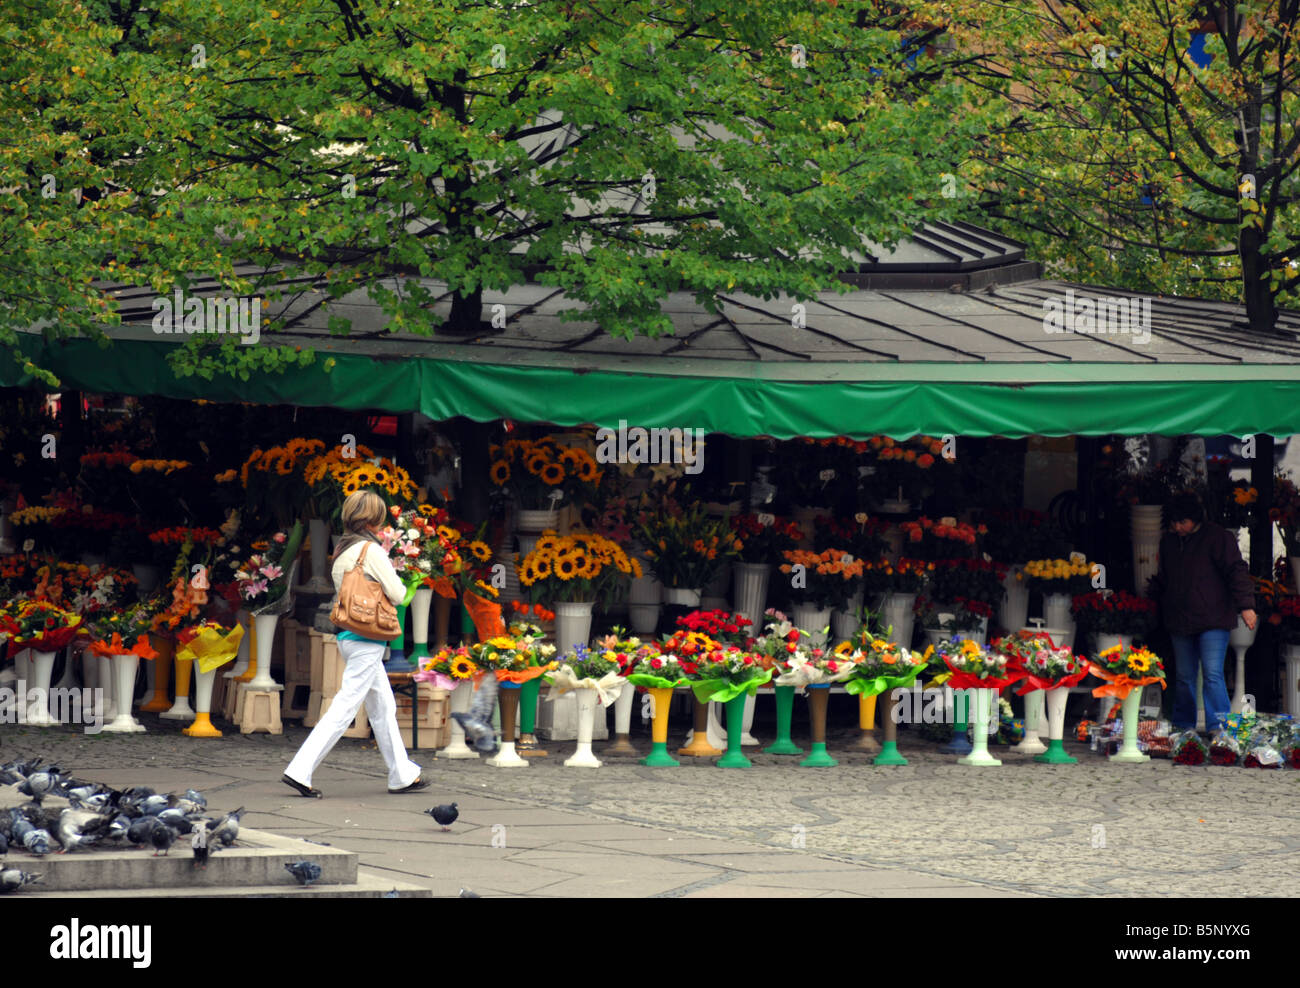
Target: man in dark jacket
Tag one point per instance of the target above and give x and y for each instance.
(1202, 585)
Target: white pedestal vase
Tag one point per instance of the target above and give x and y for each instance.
(749, 592)
(461, 697)
(572, 625)
(507, 756)
(1013, 612)
(583, 758)
(319, 582)
(1241, 638)
(897, 613)
(1056, 614)
(124, 671)
(982, 703)
(68, 679)
(41, 668)
(264, 625)
(185, 673)
(1034, 723)
(1128, 753)
(241, 658)
(108, 683)
(814, 620)
(1146, 526)
(623, 723)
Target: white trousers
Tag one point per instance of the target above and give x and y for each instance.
(364, 681)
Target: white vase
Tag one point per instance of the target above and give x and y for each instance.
(645, 589)
(241, 657)
(124, 671)
(265, 625)
(535, 521)
(1129, 753)
(1055, 702)
(583, 758)
(1056, 610)
(89, 669)
(682, 596)
(813, 620)
(1013, 612)
(643, 618)
(108, 683)
(1146, 527)
(420, 605)
(320, 583)
(40, 670)
(1034, 723)
(1240, 638)
(845, 624)
(69, 678)
(572, 624)
(461, 697)
(749, 592)
(897, 613)
(983, 703)
(623, 710)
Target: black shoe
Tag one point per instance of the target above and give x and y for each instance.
(416, 786)
(307, 791)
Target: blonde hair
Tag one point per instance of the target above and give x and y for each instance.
(361, 510)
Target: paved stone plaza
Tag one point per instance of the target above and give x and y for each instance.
(932, 828)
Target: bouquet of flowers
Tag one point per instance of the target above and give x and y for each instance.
(122, 633)
(447, 668)
(909, 464)
(862, 537)
(685, 546)
(724, 673)
(273, 483)
(1047, 576)
(972, 666)
(943, 539)
(405, 541)
(762, 538)
(582, 668)
(830, 578)
(814, 667)
(533, 470)
(209, 643)
(729, 629)
(582, 566)
(517, 656)
(1126, 668)
(883, 665)
(657, 668)
(1188, 749)
(904, 576)
(264, 577)
(627, 651)
(1046, 666)
(779, 640)
(1114, 612)
(39, 625)
(1225, 749)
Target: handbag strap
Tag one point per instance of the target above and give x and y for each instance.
(361, 559)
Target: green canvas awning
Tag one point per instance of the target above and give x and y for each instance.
(896, 362)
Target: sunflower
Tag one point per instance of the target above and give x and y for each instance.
(462, 668)
(527, 574)
(585, 566)
(499, 472)
(351, 486)
(571, 458)
(535, 464)
(480, 551)
(543, 568)
(552, 474)
(587, 471)
(566, 568)
(448, 534)
(1139, 663)
(428, 510)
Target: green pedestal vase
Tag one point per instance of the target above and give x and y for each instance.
(735, 758)
(1055, 753)
(784, 711)
(528, 745)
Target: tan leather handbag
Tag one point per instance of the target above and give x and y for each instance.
(363, 607)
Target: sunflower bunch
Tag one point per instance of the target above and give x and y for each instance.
(385, 478)
(685, 546)
(532, 470)
(966, 655)
(512, 653)
(1135, 663)
(582, 566)
(272, 480)
(325, 475)
(454, 663)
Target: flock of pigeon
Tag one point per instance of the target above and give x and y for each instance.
(98, 815)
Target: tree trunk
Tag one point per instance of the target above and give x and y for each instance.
(466, 313)
(1261, 309)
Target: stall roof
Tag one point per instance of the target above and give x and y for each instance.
(974, 359)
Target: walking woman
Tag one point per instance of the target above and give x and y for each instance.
(364, 679)
(1202, 585)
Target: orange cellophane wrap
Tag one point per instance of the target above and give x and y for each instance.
(1119, 685)
(442, 586)
(523, 675)
(486, 615)
(106, 648)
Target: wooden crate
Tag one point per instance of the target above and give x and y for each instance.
(295, 702)
(434, 713)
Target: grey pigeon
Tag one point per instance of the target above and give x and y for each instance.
(37, 841)
(161, 837)
(80, 828)
(196, 798)
(477, 723)
(227, 829)
(176, 819)
(305, 871)
(445, 815)
(4, 844)
(467, 894)
(154, 805)
(11, 880)
(119, 827)
(390, 895)
(38, 785)
(138, 832)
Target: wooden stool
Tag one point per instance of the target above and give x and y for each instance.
(297, 671)
(261, 712)
(317, 643)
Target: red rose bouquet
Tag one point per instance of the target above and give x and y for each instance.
(729, 629)
(1189, 749)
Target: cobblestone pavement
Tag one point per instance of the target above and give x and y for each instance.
(931, 828)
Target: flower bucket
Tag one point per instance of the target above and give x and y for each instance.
(812, 620)
(749, 590)
(572, 624)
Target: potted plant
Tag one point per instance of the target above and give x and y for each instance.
(761, 540)
(723, 674)
(826, 581)
(1059, 581)
(1126, 670)
(896, 585)
(659, 671)
(686, 547)
(122, 638)
(264, 583)
(514, 658)
(595, 676)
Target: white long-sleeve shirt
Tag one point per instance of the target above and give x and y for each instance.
(376, 566)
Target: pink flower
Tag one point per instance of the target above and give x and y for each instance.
(832, 667)
(271, 571)
(280, 538)
(253, 588)
(656, 663)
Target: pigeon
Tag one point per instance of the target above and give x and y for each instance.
(177, 820)
(80, 828)
(445, 815)
(305, 871)
(196, 798)
(38, 785)
(118, 829)
(477, 722)
(467, 894)
(37, 842)
(4, 844)
(38, 816)
(11, 880)
(227, 829)
(153, 805)
(161, 837)
(390, 895)
(138, 832)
